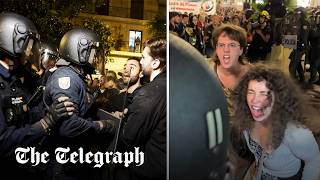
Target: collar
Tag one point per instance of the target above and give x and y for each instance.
(4, 70)
(4, 65)
(62, 62)
(160, 75)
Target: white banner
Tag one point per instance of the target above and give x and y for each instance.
(290, 41)
(193, 6)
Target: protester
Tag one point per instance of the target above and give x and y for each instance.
(269, 113)
(145, 123)
(228, 62)
(229, 66)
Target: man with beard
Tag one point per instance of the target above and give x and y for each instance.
(131, 78)
(145, 122)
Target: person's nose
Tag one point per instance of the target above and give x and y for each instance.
(257, 99)
(226, 48)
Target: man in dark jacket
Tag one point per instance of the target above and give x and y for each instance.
(145, 123)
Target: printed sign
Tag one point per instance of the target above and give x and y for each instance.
(290, 41)
(193, 6)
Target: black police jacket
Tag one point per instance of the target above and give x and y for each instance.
(15, 129)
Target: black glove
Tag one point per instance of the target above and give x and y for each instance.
(107, 126)
(60, 109)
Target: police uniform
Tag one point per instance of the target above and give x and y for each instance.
(301, 29)
(18, 37)
(15, 130)
(76, 131)
(314, 39)
(67, 81)
(79, 50)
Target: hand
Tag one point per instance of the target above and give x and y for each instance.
(60, 109)
(119, 114)
(307, 66)
(107, 126)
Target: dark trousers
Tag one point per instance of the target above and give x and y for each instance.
(314, 68)
(295, 65)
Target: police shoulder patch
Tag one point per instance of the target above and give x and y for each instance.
(64, 82)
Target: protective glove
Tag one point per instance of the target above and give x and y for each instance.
(60, 109)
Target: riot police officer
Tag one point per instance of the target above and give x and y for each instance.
(49, 56)
(314, 39)
(300, 27)
(79, 51)
(17, 37)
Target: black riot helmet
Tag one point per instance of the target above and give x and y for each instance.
(199, 123)
(49, 54)
(300, 14)
(18, 37)
(81, 47)
(248, 13)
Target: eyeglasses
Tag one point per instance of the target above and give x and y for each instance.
(231, 45)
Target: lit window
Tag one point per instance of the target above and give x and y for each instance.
(135, 41)
(303, 3)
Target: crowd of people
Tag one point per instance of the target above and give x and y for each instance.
(262, 33)
(198, 30)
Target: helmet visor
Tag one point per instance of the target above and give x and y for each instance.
(48, 58)
(96, 57)
(31, 53)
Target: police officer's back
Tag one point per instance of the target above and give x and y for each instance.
(79, 50)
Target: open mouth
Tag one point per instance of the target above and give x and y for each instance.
(226, 59)
(260, 113)
(257, 112)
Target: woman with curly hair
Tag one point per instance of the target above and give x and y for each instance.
(269, 113)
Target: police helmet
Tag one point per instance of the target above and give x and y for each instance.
(198, 123)
(248, 13)
(300, 12)
(18, 35)
(80, 46)
(48, 53)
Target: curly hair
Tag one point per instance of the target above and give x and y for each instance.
(288, 102)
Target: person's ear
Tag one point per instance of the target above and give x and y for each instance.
(155, 64)
(140, 74)
(241, 51)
